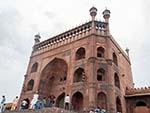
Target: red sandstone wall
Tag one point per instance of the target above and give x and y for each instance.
(142, 110)
(67, 52)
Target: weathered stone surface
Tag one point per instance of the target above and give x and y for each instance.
(45, 110)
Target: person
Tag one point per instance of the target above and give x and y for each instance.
(52, 100)
(14, 103)
(37, 104)
(24, 104)
(103, 110)
(40, 104)
(91, 111)
(49, 102)
(4, 107)
(97, 110)
(44, 102)
(67, 102)
(2, 103)
(34, 100)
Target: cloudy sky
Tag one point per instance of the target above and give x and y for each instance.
(20, 20)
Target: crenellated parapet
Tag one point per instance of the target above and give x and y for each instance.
(70, 36)
(138, 91)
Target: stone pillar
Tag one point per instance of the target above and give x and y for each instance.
(111, 101)
(91, 82)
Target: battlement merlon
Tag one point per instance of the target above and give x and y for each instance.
(130, 92)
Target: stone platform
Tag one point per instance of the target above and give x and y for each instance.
(45, 110)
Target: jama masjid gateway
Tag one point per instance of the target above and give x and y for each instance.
(87, 64)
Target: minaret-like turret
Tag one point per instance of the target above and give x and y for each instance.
(37, 38)
(127, 51)
(106, 16)
(93, 13)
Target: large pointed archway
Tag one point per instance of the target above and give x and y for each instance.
(51, 76)
(77, 101)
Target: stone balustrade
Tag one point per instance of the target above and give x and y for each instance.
(69, 36)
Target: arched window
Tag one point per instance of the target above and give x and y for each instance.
(100, 52)
(118, 105)
(101, 100)
(115, 59)
(78, 75)
(117, 81)
(80, 54)
(34, 67)
(140, 103)
(100, 74)
(30, 85)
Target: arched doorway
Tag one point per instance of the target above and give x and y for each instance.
(118, 105)
(60, 100)
(79, 75)
(77, 101)
(141, 107)
(101, 100)
(50, 77)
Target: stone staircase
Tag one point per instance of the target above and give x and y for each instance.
(45, 110)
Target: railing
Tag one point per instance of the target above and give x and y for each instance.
(70, 36)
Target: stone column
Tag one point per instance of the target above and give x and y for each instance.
(91, 83)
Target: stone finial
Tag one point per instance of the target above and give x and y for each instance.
(127, 51)
(93, 12)
(37, 38)
(106, 14)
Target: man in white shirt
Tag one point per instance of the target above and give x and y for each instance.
(34, 100)
(67, 102)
